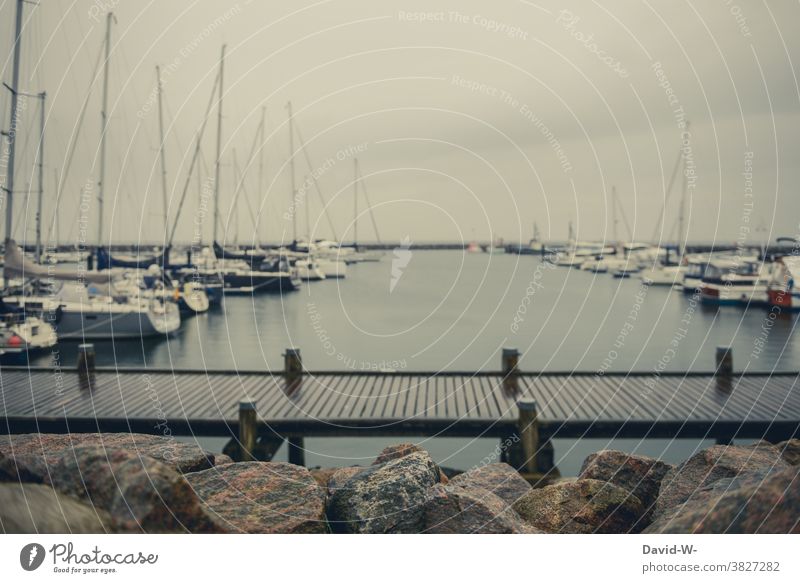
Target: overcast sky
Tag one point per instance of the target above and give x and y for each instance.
(469, 119)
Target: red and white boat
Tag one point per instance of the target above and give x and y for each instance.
(782, 291)
(735, 281)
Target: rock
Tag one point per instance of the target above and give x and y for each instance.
(341, 476)
(710, 465)
(220, 459)
(261, 497)
(758, 503)
(500, 479)
(582, 506)
(322, 476)
(140, 492)
(394, 452)
(14, 470)
(41, 450)
(640, 475)
(790, 451)
(386, 498)
(454, 509)
(38, 509)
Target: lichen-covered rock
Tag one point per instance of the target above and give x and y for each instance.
(38, 509)
(712, 464)
(41, 450)
(14, 470)
(394, 452)
(500, 479)
(261, 497)
(387, 498)
(220, 459)
(340, 477)
(139, 492)
(760, 503)
(790, 451)
(456, 509)
(582, 506)
(638, 474)
(322, 476)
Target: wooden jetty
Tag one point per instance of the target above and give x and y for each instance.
(260, 410)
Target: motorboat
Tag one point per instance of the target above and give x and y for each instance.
(782, 290)
(735, 281)
(663, 275)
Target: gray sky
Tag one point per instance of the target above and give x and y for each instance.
(471, 119)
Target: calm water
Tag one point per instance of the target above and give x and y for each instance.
(456, 311)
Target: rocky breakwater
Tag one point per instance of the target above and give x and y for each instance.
(138, 483)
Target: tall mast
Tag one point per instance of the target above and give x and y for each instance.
(614, 215)
(162, 148)
(261, 172)
(104, 131)
(291, 173)
(308, 221)
(55, 216)
(42, 97)
(199, 204)
(219, 143)
(355, 202)
(12, 129)
(683, 200)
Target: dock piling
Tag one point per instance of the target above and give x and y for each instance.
(248, 430)
(724, 361)
(86, 366)
(292, 366)
(297, 452)
(724, 369)
(528, 428)
(510, 370)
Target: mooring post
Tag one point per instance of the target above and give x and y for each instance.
(528, 429)
(510, 370)
(189, 257)
(724, 362)
(86, 365)
(248, 430)
(297, 452)
(86, 359)
(724, 369)
(292, 365)
(90, 261)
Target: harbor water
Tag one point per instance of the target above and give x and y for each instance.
(449, 310)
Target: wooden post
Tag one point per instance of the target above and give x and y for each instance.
(248, 430)
(292, 364)
(510, 370)
(724, 362)
(297, 452)
(724, 369)
(86, 366)
(86, 358)
(528, 430)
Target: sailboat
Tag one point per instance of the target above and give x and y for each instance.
(20, 332)
(238, 271)
(84, 304)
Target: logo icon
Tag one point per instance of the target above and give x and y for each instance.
(401, 259)
(31, 556)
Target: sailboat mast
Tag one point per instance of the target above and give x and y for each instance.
(12, 129)
(355, 202)
(683, 200)
(614, 215)
(219, 143)
(42, 97)
(104, 131)
(162, 148)
(291, 172)
(308, 221)
(55, 217)
(261, 171)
